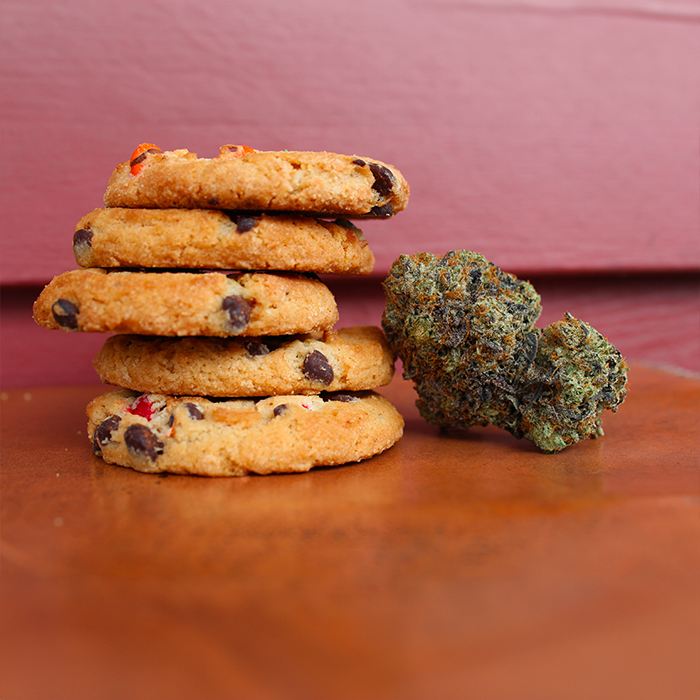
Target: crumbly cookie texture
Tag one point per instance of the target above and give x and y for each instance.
(219, 239)
(349, 359)
(297, 181)
(192, 435)
(186, 303)
(465, 331)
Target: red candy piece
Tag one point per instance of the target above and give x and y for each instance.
(143, 407)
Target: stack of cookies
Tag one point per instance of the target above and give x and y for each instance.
(205, 270)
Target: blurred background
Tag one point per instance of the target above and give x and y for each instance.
(560, 138)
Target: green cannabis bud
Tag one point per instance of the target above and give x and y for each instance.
(465, 331)
(576, 375)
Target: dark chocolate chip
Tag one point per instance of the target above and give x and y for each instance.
(143, 156)
(343, 398)
(383, 179)
(246, 223)
(385, 210)
(317, 368)
(103, 433)
(238, 310)
(83, 236)
(256, 348)
(279, 410)
(359, 161)
(212, 202)
(346, 224)
(194, 412)
(65, 313)
(141, 441)
(309, 275)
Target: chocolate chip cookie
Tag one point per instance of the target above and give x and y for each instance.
(349, 359)
(219, 239)
(192, 435)
(186, 303)
(242, 178)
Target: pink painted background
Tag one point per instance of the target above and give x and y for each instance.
(560, 138)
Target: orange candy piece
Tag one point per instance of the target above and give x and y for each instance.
(237, 151)
(138, 157)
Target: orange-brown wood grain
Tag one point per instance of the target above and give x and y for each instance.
(452, 566)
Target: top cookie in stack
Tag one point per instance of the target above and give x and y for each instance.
(242, 178)
(156, 264)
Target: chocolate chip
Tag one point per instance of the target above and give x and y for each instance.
(103, 433)
(385, 210)
(279, 410)
(194, 412)
(246, 223)
(359, 161)
(143, 156)
(83, 236)
(317, 368)
(238, 310)
(66, 314)
(309, 275)
(343, 398)
(383, 179)
(141, 441)
(256, 348)
(212, 202)
(346, 224)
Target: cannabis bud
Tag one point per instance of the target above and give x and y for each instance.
(576, 375)
(465, 331)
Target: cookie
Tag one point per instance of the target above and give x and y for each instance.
(216, 239)
(243, 178)
(186, 303)
(348, 359)
(187, 435)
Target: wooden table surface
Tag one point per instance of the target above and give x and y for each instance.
(452, 566)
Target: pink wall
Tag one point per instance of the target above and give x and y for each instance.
(554, 136)
(550, 136)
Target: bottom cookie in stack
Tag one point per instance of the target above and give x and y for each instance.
(234, 437)
(193, 406)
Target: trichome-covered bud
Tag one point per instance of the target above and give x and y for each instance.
(465, 331)
(577, 374)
